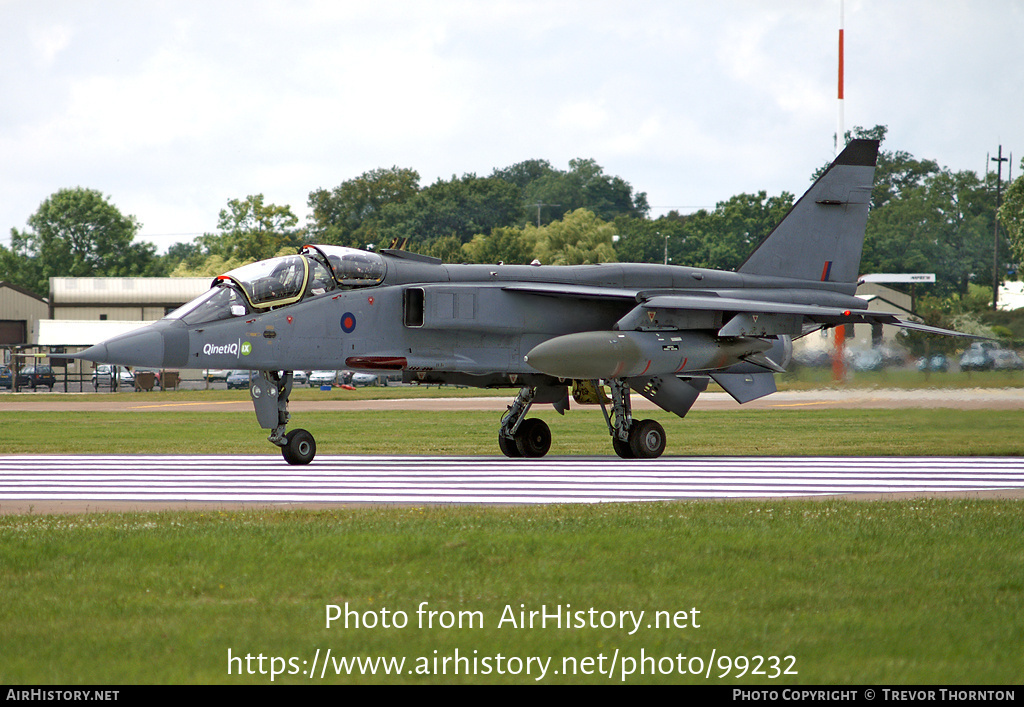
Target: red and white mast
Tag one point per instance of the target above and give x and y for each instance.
(840, 130)
(838, 353)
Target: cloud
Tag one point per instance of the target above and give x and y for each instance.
(174, 108)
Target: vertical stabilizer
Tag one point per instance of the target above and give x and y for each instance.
(822, 236)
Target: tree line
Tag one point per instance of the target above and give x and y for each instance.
(923, 218)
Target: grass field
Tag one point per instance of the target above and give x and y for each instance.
(909, 592)
(922, 592)
(799, 378)
(800, 431)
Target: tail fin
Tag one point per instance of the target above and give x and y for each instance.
(822, 236)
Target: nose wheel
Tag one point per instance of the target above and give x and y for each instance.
(299, 447)
(270, 391)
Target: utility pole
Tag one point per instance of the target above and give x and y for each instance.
(538, 205)
(995, 248)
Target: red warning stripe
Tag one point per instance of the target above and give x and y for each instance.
(840, 64)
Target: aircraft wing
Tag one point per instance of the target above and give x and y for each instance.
(573, 291)
(750, 317)
(779, 314)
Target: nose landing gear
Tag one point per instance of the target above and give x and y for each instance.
(269, 392)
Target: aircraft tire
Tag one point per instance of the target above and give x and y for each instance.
(623, 449)
(299, 448)
(508, 447)
(533, 438)
(647, 439)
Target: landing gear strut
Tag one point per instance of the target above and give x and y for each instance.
(270, 391)
(631, 439)
(522, 437)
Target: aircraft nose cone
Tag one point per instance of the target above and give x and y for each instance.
(93, 353)
(143, 347)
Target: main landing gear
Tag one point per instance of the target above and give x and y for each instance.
(631, 439)
(520, 436)
(270, 391)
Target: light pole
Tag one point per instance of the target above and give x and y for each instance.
(666, 246)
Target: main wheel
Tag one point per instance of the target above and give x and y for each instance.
(622, 448)
(533, 439)
(647, 439)
(299, 448)
(508, 447)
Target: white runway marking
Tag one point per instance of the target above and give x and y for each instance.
(268, 479)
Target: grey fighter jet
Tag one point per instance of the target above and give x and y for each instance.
(553, 332)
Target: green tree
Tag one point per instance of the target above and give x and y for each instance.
(584, 186)
(960, 312)
(506, 244)
(522, 174)
(736, 227)
(447, 248)
(1011, 217)
(462, 207)
(642, 240)
(924, 218)
(181, 256)
(581, 238)
(76, 233)
(251, 230)
(942, 225)
(350, 213)
(720, 239)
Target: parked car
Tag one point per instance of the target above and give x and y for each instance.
(238, 379)
(1007, 360)
(105, 371)
(6, 378)
(216, 374)
(813, 358)
(938, 363)
(319, 378)
(34, 376)
(300, 378)
(364, 379)
(975, 359)
(868, 360)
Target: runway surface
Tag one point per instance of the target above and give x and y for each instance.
(92, 481)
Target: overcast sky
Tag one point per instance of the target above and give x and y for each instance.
(172, 108)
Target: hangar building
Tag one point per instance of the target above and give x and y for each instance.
(20, 313)
(87, 310)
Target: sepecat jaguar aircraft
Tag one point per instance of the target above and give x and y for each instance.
(553, 332)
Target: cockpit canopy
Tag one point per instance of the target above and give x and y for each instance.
(282, 281)
(273, 282)
(351, 268)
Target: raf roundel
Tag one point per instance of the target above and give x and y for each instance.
(348, 322)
